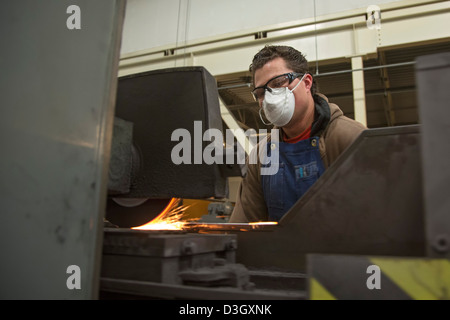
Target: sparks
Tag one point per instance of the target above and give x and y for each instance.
(168, 219)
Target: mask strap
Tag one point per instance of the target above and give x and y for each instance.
(298, 83)
(260, 115)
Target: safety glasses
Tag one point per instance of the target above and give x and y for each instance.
(277, 82)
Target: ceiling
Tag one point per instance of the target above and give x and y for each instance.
(390, 92)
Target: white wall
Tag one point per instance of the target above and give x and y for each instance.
(156, 23)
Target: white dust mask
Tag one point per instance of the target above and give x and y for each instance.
(279, 105)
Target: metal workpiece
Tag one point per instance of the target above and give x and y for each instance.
(368, 202)
(209, 227)
(433, 79)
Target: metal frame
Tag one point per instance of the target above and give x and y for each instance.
(56, 128)
(433, 74)
(347, 277)
(368, 202)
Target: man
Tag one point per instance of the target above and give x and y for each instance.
(313, 133)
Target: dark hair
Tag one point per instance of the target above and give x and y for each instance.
(294, 59)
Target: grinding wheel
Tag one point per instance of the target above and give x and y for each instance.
(128, 213)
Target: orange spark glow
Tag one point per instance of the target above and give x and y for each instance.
(263, 223)
(171, 219)
(168, 219)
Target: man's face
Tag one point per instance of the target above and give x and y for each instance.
(278, 67)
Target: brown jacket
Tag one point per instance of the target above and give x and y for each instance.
(338, 134)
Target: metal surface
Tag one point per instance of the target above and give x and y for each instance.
(158, 103)
(368, 202)
(121, 289)
(121, 160)
(166, 243)
(57, 106)
(377, 278)
(162, 256)
(433, 80)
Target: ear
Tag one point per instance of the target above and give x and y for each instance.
(308, 80)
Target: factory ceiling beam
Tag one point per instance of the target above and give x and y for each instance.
(335, 35)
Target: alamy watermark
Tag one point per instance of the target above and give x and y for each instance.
(74, 280)
(74, 20)
(373, 17)
(189, 149)
(374, 280)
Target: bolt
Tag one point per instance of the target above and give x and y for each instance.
(232, 245)
(441, 243)
(188, 247)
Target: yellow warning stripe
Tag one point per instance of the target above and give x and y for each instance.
(318, 292)
(422, 279)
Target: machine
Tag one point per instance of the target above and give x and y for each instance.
(382, 203)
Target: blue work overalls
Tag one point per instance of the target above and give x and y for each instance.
(300, 165)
